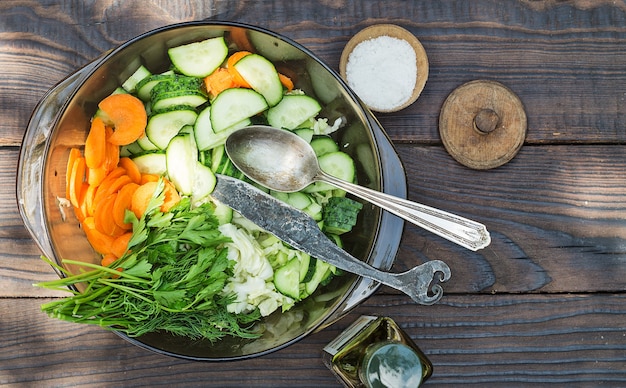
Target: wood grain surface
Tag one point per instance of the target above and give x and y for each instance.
(543, 305)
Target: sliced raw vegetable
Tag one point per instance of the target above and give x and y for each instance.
(206, 138)
(199, 59)
(293, 110)
(182, 158)
(128, 116)
(130, 85)
(145, 86)
(235, 105)
(338, 164)
(153, 163)
(164, 126)
(287, 279)
(323, 145)
(262, 76)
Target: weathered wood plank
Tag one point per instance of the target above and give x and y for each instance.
(472, 340)
(561, 58)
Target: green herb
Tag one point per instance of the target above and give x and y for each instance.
(170, 280)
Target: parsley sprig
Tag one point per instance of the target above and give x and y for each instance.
(170, 280)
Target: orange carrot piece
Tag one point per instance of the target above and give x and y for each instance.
(171, 196)
(141, 198)
(76, 180)
(103, 217)
(95, 176)
(88, 200)
(95, 145)
(218, 81)
(99, 241)
(145, 178)
(131, 169)
(112, 158)
(239, 36)
(124, 201)
(128, 116)
(108, 259)
(120, 244)
(81, 210)
(103, 188)
(286, 81)
(74, 154)
(230, 63)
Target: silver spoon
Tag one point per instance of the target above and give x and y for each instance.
(281, 160)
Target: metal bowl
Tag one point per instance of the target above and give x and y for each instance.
(61, 121)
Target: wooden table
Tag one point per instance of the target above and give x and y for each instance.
(545, 303)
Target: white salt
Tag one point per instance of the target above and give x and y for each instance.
(382, 72)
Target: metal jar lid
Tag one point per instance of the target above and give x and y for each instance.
(482, 124)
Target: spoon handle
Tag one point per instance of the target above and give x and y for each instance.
(466, 233)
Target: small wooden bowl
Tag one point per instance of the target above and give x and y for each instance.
(393, 31)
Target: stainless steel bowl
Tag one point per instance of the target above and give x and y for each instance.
(61, 120)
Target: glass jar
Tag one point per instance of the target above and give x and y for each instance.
(376, 352)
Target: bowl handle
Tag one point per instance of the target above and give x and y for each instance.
(32, 158)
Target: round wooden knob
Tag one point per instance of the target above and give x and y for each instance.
(482, 124)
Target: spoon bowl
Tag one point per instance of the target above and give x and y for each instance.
(282, 161)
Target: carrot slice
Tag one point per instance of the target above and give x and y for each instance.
(171, 196)
(98, 240)
(120, 244)
(141, 198)
(218, 81)
(76, 180)
(95, 176)
(103, 217)
(81, 210)
(108, 259)
(239, 36)
(74, 154)
(112, 158)
(286, 81)
(124, 201)
(88, 200)
(128, 116)
(95, 145)
(230, 63)
(145, 178)
(103, 188)
(131, 169)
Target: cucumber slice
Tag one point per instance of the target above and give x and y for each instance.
(299, 200)
(130, 85)
(287, 279)
(262, 76)
(131, 149)
(203, 182)
(293, 110)
(321, 269)
(206, 138)
(182, 158)
(235, 105)
(338, 164)
(305, 133)
(145, 86)
(177, 91)
(223, 213)
(152, 163)
(163, 127)
(323, 145)
(305, 260)
(146, 144)
(199, 59)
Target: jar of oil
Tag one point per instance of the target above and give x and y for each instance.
(375, 352)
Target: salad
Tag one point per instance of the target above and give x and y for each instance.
(173, 258)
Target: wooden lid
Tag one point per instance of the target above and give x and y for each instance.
(393, 31)
(482, 124)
